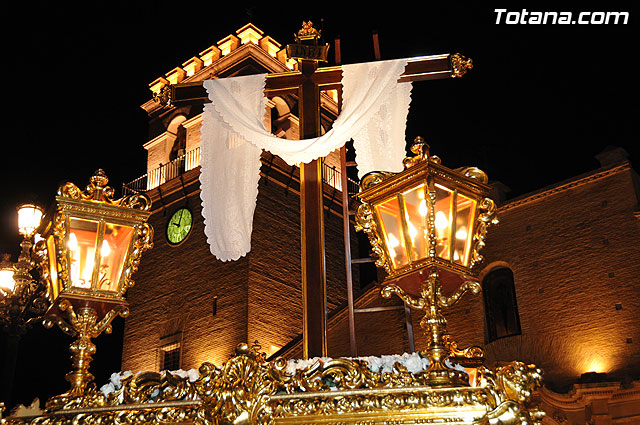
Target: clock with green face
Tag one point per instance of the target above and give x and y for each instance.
(179, 226)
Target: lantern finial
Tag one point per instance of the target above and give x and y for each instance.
(97, 188)
(421, 150)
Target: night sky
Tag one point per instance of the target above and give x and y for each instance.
(541, 101)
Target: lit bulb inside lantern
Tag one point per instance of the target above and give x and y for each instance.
(456, 256)
(441, 221)
(73, 242)
(412, 230)
(461, 234)
(6, 280)
(392, 241)
(422, 208)
(106, 249)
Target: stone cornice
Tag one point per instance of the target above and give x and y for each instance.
(565, 186)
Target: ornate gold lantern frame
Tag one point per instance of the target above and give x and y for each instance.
(423, 170)
(91, 247)
(429, 266)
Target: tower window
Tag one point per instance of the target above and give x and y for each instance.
(170, 352)
(171, 357)
(500, 306)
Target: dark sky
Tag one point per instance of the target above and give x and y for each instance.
(541, 101)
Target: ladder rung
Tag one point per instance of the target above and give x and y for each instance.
(376, 309)
(362, 260)
(351, 164)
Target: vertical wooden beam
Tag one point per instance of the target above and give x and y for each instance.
(376, 45)
(314, 327)
(338, 52)
(346, 225)
(347, 250)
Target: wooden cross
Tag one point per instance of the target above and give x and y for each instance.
(307, 82)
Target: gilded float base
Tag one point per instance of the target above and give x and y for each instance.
(249, 390)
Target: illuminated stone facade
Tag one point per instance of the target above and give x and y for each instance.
(571, 252)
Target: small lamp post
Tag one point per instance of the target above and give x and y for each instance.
(91, 247)
(22, 298)
(426, 224)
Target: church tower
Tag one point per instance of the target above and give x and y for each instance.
(188, 307)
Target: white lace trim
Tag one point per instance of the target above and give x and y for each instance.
(374, 115)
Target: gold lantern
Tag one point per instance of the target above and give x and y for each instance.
(427, 224)
(91, 247)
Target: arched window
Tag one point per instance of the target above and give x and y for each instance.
(176, 137)
(500, 306)
(280, 117)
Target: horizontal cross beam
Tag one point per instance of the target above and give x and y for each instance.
(417, 69)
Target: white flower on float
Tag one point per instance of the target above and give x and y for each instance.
(115, 382)
(192, 374)
(413, 362)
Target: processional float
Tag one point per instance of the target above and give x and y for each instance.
(426, 225)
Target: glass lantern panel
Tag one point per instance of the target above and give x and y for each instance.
(7, 283)
(442, 221)
(53, 268)
(113, 252)
(466, 208)
(81, 243)
(389, 214)
(29, 217)
(416, 215)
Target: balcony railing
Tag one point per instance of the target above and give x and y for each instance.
(163, 173)
(190, 160)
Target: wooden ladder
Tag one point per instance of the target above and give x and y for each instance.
(347, 212)
(346, 216)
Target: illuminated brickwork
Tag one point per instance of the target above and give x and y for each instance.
(574, 251)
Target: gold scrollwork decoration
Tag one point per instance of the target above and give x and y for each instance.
(98, 190)
(448, 301)
(307, 32)
(373, 178)
(365, 222)
(143, 242)
(164, 97)
(472, 352)
(391, 289)
(512, 387)
(460, 65)
(486, 217)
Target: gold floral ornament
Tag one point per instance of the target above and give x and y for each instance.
(460, 65)
(307, 45)
(307, 32)
(91, 247)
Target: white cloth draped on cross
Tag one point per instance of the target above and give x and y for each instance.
(374, 114)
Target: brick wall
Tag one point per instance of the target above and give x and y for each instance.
(575, 255)
(258, 296)
(174, 291)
